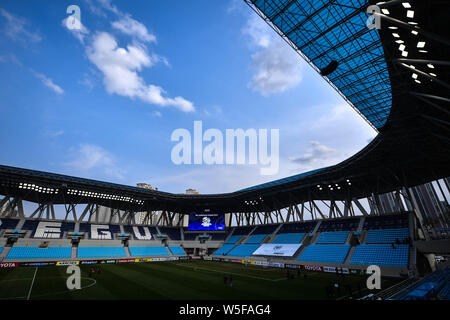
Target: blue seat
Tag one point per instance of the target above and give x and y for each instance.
(224, 249)
(243, 250)
(256, 238)
(333, 237)
(381, 255)
(286, 238)
(387, 235)
(33, 253)
(177, 251)
(149, 251)
(325, 253)
(101, 252)
(233, 239)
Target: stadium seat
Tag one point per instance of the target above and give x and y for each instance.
(233, 239)
(23, 253)
(333, 237)
(149, 251)
(177, 251)
(101, 252)
(325, 253)
(381, 255)
(243, 250)
(286, 238)
(387, 235)
(224, 249)
(256, 238)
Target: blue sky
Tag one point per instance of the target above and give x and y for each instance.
(102, 102)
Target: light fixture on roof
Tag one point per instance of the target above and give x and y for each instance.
(417, 81)
(396, 35)
(414, 32)
(406, 5)
(414, 75)
(404, 53)
(421, 44)
(393, 28)
(402, 47)
(433, 74)
(413, 23)
(400, 41)
(410, 14)
(423, 51)
(385, 11)
(430, 66)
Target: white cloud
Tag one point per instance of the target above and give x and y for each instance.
(317, 152)
(134, 28)
(120, 67)
(48, 83)
(276, 67)
(89, 156)
(15, 28)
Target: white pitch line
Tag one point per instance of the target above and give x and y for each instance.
(32, 283)
(226, 272)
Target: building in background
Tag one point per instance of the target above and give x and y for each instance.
(192, 191)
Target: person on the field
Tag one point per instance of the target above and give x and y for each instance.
(231, 280)
(225, 279)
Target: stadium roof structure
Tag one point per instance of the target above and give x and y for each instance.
(396, 77)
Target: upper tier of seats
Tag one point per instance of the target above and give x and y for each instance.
(177, 251)
(286, 238)
(300, 227)
(332, 237)
(243, 230)
(190, 236)
(48, 229)
(33, 253)
(8, 224)
(387, 235)
(243, 250)
(140, 232)
(234, 239)
(397, 221)
(101, 252)
(148, 251)
(381, 255)
(256, 238)
(99, 231)
(325, 253)
(217, 236)
(172, 233)
(266, 229)
(339, 225)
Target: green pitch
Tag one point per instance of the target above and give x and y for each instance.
(177, 280)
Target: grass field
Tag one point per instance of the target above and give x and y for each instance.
(202, 280)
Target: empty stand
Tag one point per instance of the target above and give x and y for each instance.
(233, 239)
(177, 250)
(33, 253)
(101, 252)
(243, 250)
(224, 249)
(381, 255)
(332, 237)
(149, 251)
(325, 253)
(256, 238)
(387, 235)
(286, 238)
(172, 233)
(339, 225)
